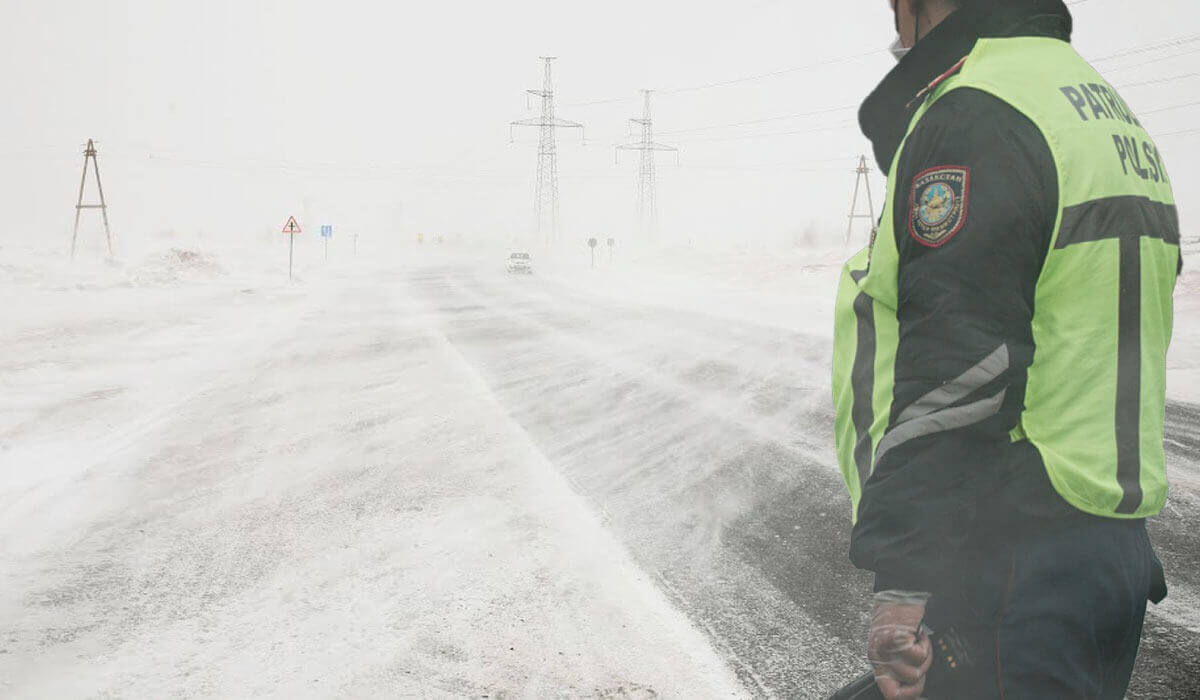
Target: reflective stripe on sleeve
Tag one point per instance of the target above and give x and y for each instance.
(940, 422)
(961, 387)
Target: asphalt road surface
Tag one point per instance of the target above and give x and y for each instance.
(706, 442)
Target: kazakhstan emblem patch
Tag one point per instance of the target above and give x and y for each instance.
(938, 208)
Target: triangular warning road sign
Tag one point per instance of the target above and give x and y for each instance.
(291, 226)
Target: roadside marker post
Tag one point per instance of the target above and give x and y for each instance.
(592, 245)
(292, 229)
(611, 242)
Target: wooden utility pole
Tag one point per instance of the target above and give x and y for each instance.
(90, 154)
(862, 179)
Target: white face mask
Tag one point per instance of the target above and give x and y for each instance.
(897, 49)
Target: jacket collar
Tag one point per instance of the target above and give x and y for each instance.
(885, 114)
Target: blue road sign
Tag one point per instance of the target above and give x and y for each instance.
(326, 231)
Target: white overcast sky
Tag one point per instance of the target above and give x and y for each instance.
(222, 117)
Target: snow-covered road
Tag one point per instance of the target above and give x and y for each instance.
(327, 502)
(434, 479)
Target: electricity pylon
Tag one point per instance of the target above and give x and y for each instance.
(862, 178)
(545, 205)
(89, 154)
(647, 203)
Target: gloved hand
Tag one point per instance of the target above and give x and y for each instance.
(898, 646)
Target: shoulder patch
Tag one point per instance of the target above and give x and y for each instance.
(933, 85)
(938, 204)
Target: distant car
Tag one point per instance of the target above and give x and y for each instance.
(519, 262)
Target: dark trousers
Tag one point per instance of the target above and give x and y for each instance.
(1055, 612)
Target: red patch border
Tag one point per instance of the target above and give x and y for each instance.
(912, 204)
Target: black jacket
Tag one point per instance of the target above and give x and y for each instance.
(958, 302)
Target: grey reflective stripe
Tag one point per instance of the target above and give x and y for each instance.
(862, 379)
(1128, 219)
(960, 388)
(1118, 217)
(940, 422)
(1129, 377)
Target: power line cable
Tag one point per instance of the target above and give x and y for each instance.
(764, 120)
(1181, 132)
(773, 169)
(1180, 41)
(1169, 108)
(1158, 59)
(1157, 81)
(1131, 51)
(737, 81)
(294, 168)
(838, 126)
(829, 110)
(775, 73)
(1146, 48)
(387, 170)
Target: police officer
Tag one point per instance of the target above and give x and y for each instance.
(1000, 361)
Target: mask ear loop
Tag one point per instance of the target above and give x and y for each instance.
(917, 7)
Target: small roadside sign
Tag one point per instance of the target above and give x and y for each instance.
(326, 233)
(292, 229)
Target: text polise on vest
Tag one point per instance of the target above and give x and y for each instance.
(1097, 101)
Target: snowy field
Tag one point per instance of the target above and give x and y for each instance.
(411, 474)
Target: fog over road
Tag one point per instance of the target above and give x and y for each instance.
(440, 480)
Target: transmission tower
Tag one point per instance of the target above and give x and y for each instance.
(89, 154)
(647, 204)
(545, 204)
(862, 180)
